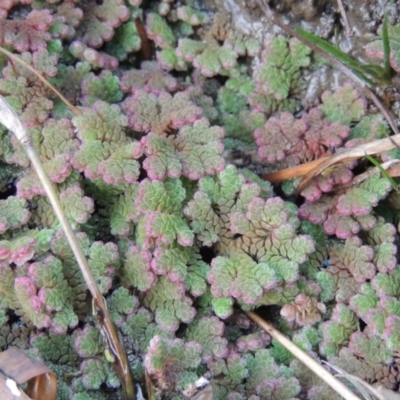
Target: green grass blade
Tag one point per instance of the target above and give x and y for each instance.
(386, 48)
(357, 68)
(383, 171)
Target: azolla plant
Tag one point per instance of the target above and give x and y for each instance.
(179, 236)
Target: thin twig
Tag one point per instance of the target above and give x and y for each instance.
(391, 167)
(146, 45)
(383, 110)
(349, 32)
(341, 67)
(44, 80)
(293, 172)
(12, 122)
(378, 391)
(315, 167)
(350, 74)
(375, 147)
(309, 362)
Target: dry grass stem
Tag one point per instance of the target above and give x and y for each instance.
(309, 362)
(314, 168)
(374, 147)
(48, 84)
(342, 11)
(369, 392)
(12, 122)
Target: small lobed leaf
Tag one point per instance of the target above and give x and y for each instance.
(200, 149)
(22, 249)
(222, 306)
(166, 228)
(137, 323)
(208, 332)
(136, 270)
(381, 233)
(391, 332)
(104, 86)
(13, 213)
(355, 258)
(166, 360)
(58, 138)
(121, 166)
(103, 260)
(337, 331)
(260, 365)
(161, 160)
(387, 283)
(360, 200)
(125, 41)
(88, 342)
(167, 299)
(169, 61)
(64, 320)
(344, 105)
(267, 232)
(171, 312)
(278, 73)
(55, 347)
(385, 257)
(252, 342)
(280, 388)
(99, 22)
(370, 348)
(88, 158)
(278, 137)
(30, 33)
(25, 92)
(159, 31)
(124, 212)
(343, 227)
(29, 303)
(191, 16)
(293, 141)
(77, 207)
(362, 302)
(241, 278)
(166, 196)
(196, 278)
(171, 261)
(160, 113)
(188, 49)
(102, 122)
(375, 319)
(150, 77)
(304, 310)
(231, 372)
(122, 303)
(205, 222)
(94, 373)
(213, 59)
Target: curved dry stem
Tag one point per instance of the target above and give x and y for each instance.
(342, 11)
(309, 362)
(12, 122)
(314, 168)
(375, 147)
(293, 172)
(350, 74)
(48, 84)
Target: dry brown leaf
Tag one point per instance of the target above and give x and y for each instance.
(376, 392)
(17, 367)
